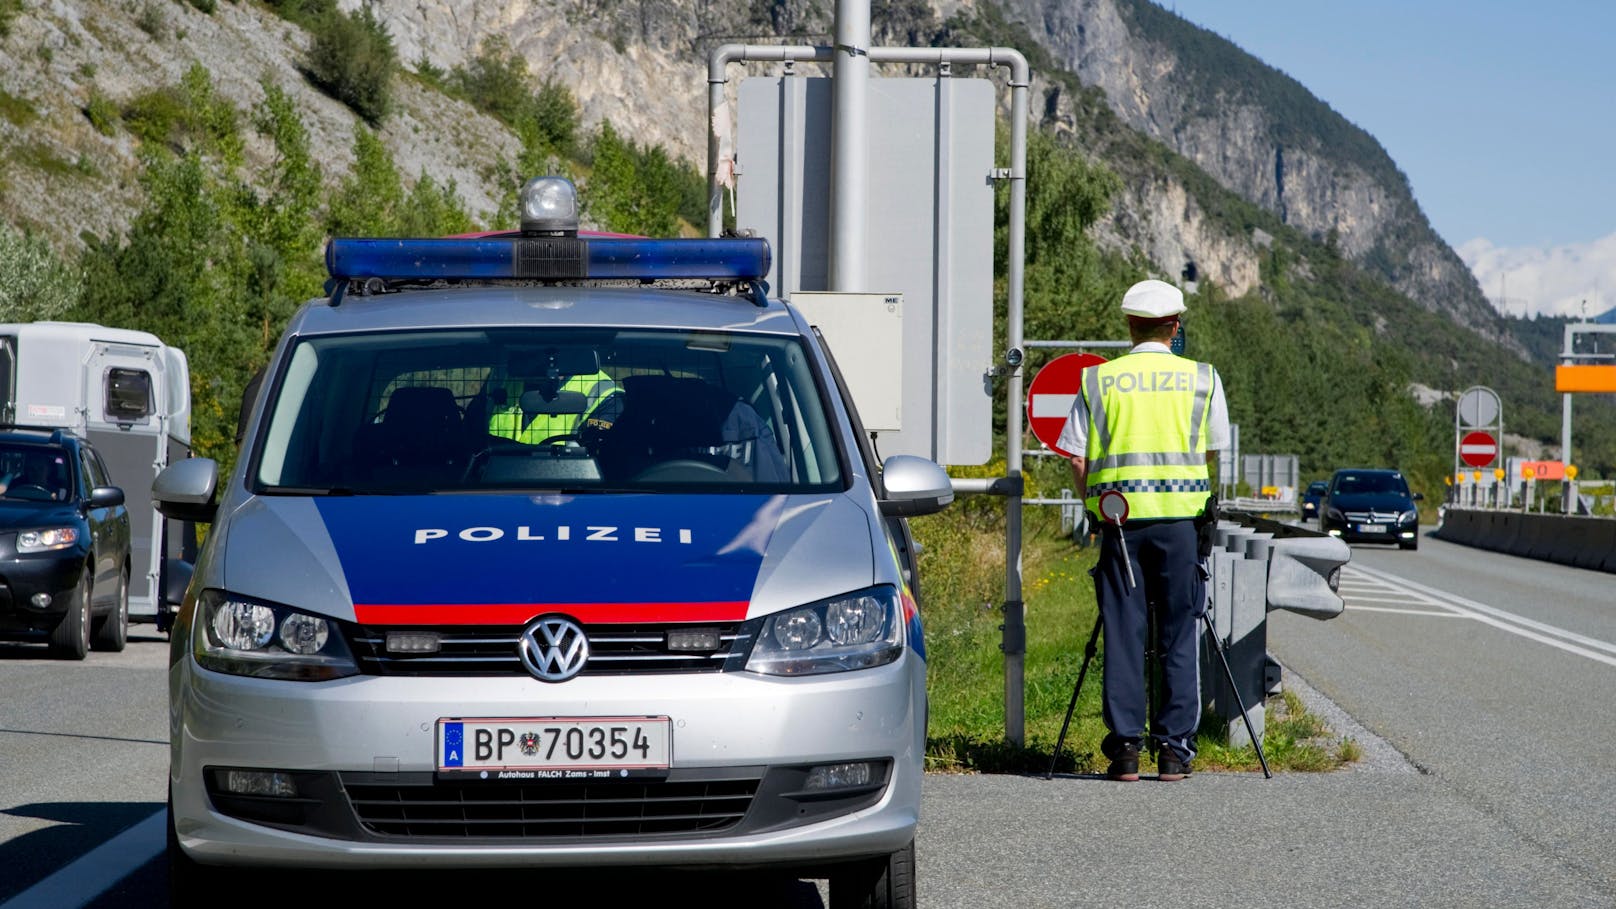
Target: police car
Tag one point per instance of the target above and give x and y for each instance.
(549, 550)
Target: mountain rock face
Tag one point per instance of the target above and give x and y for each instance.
(642, 65)
(1323, 176)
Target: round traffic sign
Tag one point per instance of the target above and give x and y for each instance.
(1114, 506)
(1051, 393)
(1478, 449)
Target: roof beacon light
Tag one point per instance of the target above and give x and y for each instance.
(546, 259)
(549, 207)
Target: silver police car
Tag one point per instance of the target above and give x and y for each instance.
(550, 551)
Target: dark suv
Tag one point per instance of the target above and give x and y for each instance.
(1370, 505)
(64, 544)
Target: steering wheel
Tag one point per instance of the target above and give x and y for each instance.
(681, 469)
(562, 437)
(34, 490)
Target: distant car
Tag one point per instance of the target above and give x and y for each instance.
(1311, 498)
(1371, 505)
(64, 545)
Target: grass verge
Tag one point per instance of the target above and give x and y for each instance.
(966, 668)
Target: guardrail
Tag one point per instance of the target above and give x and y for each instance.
(1584, 542)
(1259, 565)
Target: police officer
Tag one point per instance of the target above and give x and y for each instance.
(1149, 424)
(603, 403)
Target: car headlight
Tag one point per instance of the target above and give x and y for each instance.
(853, 631)
(46, 540)
(1410, 515)
(243, 636)
(1334, 514)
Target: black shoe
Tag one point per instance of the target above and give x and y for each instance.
(1170, 769)
(1124, 763)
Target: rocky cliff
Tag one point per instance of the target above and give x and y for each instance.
(641, 64)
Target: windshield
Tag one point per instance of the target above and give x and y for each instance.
(35, 473)
(1370, 484)
(456, 410)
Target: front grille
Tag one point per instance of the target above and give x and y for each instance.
(475, 809)
(613, 650)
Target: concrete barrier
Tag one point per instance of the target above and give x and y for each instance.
(1578, 541)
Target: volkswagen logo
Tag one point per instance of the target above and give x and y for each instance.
(553, 648)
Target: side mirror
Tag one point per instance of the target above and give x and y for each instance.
(914, 486)
(106, 497)
(186, 490)
(1419, 496)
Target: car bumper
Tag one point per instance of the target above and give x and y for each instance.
(374, 730)
(54, 575)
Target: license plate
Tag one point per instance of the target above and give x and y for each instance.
(1371, 528)
(555, 747)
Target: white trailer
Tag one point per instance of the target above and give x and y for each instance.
(130, 395)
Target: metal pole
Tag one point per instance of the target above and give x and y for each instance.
(1014, 641)
(1565, 421)
(1015, 629)
(849, 180)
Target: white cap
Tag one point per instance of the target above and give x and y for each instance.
(1153, 300)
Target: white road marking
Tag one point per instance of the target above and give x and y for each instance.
(1531, 629)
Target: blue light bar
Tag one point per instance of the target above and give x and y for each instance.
(546, 258)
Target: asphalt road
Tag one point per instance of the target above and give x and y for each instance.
(1478, 684)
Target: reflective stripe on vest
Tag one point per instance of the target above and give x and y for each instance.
(1147, 434)
(507, 422)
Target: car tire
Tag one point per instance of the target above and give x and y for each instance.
(190, 883)
(112, 632)
(884, 883)
(71, 639)
(1411, 544)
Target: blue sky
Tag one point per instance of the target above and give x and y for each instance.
(1502, 114)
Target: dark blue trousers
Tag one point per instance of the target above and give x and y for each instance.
(1167, 575)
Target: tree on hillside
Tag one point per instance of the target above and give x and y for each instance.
(34, 283)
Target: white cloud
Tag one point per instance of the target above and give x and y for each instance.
(1551, 281)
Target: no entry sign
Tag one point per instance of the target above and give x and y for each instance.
(1478, 449)
(1051, 393)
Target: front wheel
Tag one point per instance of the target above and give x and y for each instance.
(71, 639)
(883, 883)
(112, 632)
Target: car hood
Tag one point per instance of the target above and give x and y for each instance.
(1382, 502)
(503, 559)
(21, 515)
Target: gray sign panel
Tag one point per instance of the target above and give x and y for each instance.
(929, 224)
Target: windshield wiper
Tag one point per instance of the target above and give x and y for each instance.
(306, 491)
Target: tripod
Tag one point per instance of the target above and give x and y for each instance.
(1150, 676)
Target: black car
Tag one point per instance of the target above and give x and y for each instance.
(1371, 505)
(1311, 497)
(64, 545)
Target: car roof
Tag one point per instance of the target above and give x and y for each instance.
(39, 435)
(529, 305)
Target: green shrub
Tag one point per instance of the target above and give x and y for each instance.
(8, 11)
(150, 19)
(20, 111)
(304, 12)
(352, 59)
(206, 6)
(34, 284)
(102, 113)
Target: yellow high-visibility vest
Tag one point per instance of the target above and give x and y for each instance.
(1148, 415)
(507, 422)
